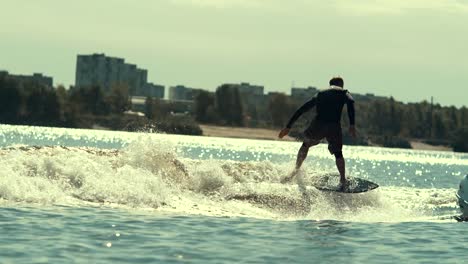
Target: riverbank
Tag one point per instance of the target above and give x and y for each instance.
(242, 132)
(271, 134)
(423, 146)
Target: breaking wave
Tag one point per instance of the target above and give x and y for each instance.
(150, 174)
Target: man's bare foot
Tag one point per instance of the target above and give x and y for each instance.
(344, 184)
(290, 177)
(287, 179)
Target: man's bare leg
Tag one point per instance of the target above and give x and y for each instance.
(301, 156)
(340, 165)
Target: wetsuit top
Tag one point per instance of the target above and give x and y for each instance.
(329, 104)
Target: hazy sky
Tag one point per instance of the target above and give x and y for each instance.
(410, 49)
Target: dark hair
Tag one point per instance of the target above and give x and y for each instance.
(337, 81)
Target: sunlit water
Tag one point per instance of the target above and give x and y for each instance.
(87, 196)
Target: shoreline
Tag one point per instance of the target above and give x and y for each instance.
(242, 132)
(272, 134)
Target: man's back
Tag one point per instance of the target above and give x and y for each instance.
(330, 104)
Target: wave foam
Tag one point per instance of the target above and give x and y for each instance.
(149, 174)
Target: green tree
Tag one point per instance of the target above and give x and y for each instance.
(281, 108)
(203, 101)
(149, 107)
(464, 116)
(394, 122)
(10, 100)
(119, 99)
(89, 100)
(459, 140)
(229, 105)
(438, 131)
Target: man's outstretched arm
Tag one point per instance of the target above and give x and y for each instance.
(304, 108)
(351, 115)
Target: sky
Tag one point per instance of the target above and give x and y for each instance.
(408, 49)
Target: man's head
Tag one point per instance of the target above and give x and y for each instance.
(337, 81)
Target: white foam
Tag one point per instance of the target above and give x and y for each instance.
(153, 173)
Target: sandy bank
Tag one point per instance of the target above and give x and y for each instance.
(423, 146)
(242, 132)
(271, 134)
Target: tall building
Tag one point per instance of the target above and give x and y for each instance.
(182, 93)
(36, 78)
(99, 69)
(253, 98)
(252, 95)
(303, 94)
(247, 88)
(152, 90)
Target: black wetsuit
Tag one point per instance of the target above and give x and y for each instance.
(327, 123)
(329, 104)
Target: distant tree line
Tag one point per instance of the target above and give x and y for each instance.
(169, 117)
(32, 103)
(436, 125)
(381, 121)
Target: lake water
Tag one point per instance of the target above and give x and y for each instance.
(89, 196)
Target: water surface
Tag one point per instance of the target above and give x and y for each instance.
(80, 196)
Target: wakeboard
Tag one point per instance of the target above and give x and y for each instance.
(331, 183)
(460, 218)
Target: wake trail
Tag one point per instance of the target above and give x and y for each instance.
(151, 175)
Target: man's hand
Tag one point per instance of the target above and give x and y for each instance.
(352, 131)
(283, 132)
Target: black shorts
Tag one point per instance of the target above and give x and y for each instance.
(330, 131)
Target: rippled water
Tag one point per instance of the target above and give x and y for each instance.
(77, 196)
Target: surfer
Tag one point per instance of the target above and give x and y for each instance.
(329, 105)
(462, 196)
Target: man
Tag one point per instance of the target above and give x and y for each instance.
(329, 105)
